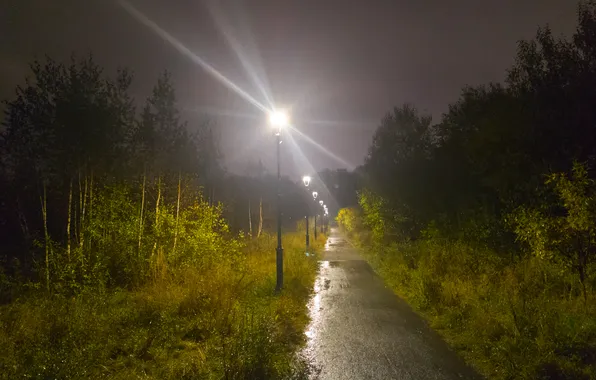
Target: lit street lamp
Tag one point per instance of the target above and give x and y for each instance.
(314, 196)
(306, 180)
(325, 213)
(279, 119)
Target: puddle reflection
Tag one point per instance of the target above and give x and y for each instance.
(314, 308)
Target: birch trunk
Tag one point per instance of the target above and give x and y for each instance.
(142, 210)
(260, 217)
(44, 213)
(83, 205)
(156, 216)
(249, 220)
(68, 221)
(177, 215)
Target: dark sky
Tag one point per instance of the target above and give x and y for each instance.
(338, 65)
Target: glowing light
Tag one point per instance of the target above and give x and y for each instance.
(306, 180)
(321, 202)
(279, 119)
(225, 27)
(324, 150)
(315, 194)
(139, 16)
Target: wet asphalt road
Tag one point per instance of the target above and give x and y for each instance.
(361, 330)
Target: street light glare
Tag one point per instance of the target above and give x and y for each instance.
(306, 179)
(321, 202)
(315, 194)
(278, 118)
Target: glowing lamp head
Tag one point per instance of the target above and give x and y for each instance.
(315, 195)
(278, 119)
(321, 203)
(306, 180)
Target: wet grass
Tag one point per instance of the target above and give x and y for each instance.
(226, 323)
(526, 320)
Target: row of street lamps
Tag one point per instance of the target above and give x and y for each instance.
(306, 180)
(279, 119)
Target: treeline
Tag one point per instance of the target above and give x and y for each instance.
(486, 220)
(84, 172)
(95, 191)
(127, 251)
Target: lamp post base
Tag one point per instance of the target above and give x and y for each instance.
(279, 251)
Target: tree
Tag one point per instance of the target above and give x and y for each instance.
(396, 165)
(563, 231)
(66, 122)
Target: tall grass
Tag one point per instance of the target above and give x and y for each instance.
(194, 324)
(526, 320)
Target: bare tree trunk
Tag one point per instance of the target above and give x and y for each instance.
(44, 213)
(142, 210)
(260, 217)
(68, 221)
(83, 205)
(90, 206)
(77, 210)
(581, 268)
(177, 215)
(249, 220)
(156, 215)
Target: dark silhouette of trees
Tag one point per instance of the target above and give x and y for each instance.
(73, 148)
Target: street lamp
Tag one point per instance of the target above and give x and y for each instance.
(306, 180)
(314, 196)
(326, 218)
(279, 119)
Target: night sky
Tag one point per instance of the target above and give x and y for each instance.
(338, 65)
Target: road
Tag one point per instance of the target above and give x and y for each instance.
(361, 330)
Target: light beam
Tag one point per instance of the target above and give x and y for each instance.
(139, 16)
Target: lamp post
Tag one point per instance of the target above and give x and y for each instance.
(278, 120)
(325, 213)
(314, 196)
(306, 180)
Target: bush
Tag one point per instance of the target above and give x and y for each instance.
(348, 219)
(525, 320)
(226, 322)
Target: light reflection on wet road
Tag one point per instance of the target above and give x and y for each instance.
(361, 330)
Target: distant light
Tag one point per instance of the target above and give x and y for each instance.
(306, 180)
(321, 202)
(315, 194)
(279, 119)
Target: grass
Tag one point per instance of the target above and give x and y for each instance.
(510, 321)
(225, 323)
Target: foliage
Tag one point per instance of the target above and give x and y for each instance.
(399, 152)
(454, 208)
(566, 234)
(526, 320)
(347, 219)
(224, 323)
(113, 262)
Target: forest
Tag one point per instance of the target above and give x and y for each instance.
(485, 221)
(127, 250)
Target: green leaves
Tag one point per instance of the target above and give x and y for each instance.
(563, 231)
